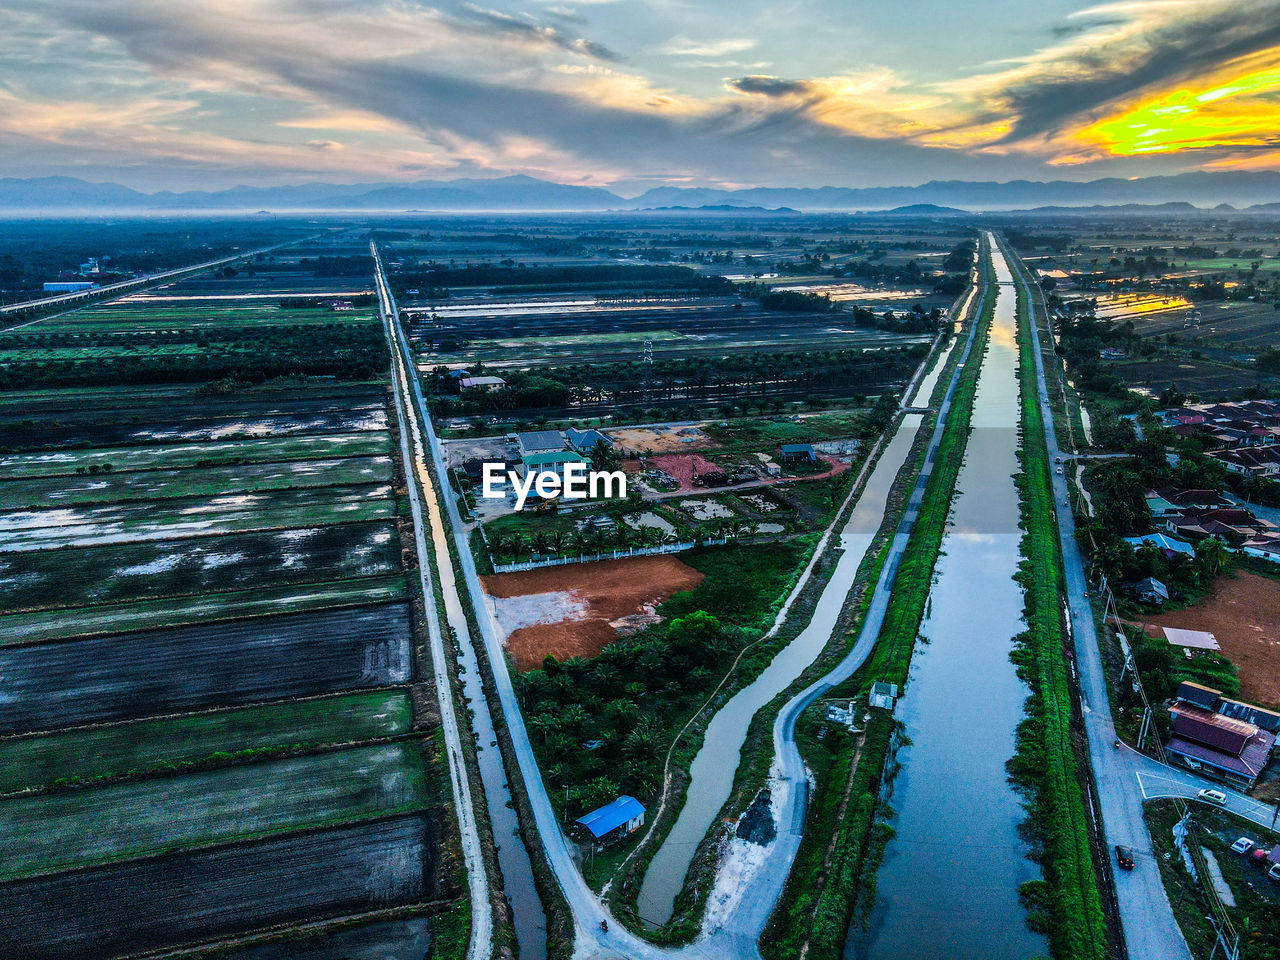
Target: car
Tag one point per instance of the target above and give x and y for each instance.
(1059, 471)
(1274, 872)
(1243, 845)
(1215, 797)
(1124, 857)
(1258, 859)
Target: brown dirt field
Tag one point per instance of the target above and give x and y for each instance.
(1243, 612)
(663, 439)
(619, 597)
(682, 467)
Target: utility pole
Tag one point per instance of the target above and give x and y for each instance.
(1229, 951)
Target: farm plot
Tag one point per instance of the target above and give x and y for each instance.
(177, 611)
(578, 610)
(125, 427)
(207, 481)
(169, 743)
(185, 897)
(82, 828)
(204, 455)
(408, 939)
(1191, 376)
(48, 686)
(79, 576)
(71, 526)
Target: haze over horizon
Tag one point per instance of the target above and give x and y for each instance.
(177, 95)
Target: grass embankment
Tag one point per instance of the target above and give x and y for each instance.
(835, 867)
(1066, 905)
(168, 745)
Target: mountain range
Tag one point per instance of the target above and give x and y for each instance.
(1221, 192)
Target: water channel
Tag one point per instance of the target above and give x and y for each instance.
(948, 885)
(712, 771)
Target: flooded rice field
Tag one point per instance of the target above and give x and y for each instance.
(217, 664)
(170, 900)
(74, 576)
(714, 767)
(951, 871)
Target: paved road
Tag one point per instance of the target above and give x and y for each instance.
(1150, 931)
(112, 290)
(413, 452)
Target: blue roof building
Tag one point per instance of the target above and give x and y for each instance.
(1169, 545)
(585, 441)
(625, 815)
(798, 451)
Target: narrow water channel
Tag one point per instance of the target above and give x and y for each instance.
(716, 763)
(948, 885)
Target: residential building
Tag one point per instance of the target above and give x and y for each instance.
(586, 441)
(1170, 500)
(1251, 461)
(1162, 542)
(539, 441)
(481, 383)
(539, 463)
(1219, 745)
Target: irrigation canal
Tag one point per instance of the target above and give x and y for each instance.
(951, 872)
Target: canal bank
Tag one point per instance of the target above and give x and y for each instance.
(951, 871)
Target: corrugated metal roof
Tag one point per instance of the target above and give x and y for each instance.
(610, 817)
(1212, 729)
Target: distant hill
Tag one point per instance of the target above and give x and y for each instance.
(1228, 193)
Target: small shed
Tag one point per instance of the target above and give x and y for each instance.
(792, 452)
(883, 695)
(614, 820)
(1150, 590)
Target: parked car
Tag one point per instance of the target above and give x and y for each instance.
(1258, 858)
(1274, 872)
(1124, 857)
(1243, 845)
(1215, 797)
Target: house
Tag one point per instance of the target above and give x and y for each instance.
(1192, 640)
(481, 383)
(586, 441)
(539, 441)
(1251, 461)
(793, 452)
(1162, 542)
(841, 713)
(1112, 353)
(1266, 546)
(772, 468)
(1169, 500)
(539, 463)
(1232, 524)
(1197, 695)
(614, 820)
(1219, 745)
(1150, 590)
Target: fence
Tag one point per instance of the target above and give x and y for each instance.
(608, 555)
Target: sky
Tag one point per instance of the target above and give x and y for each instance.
(631, 94)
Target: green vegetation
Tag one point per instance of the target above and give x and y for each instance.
(76, 621)
(1066, 905)
(79, 828)
(639, 691)
(167, 745)
(251, 354)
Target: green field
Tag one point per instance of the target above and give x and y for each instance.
(167, 744)
(145, 314)
(81, 828)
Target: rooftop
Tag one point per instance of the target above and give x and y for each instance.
(610, 817)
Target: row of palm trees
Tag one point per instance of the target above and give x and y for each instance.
(514, 546)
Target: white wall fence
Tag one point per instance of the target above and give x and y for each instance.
(607, 555)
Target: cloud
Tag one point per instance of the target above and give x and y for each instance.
(684, 47)
(528, 28)
(767, 86)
